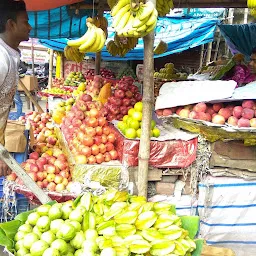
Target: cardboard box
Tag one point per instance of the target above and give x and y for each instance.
(30, 82)
(233, 154)
(15, 133)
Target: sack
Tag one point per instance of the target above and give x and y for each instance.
(15, 140)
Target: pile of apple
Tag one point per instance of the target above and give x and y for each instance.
(87, 132)
(130, 126)
(239, 115)
(58, 82)
(38, 121)
(125, 96)
(48, 171)
(104, 72)
(93, 86)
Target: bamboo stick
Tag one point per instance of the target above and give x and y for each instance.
(97, 62)
(50, 69)
(28, 182)
(148, 101)
(40, 110)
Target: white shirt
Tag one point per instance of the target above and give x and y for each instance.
(9, 64)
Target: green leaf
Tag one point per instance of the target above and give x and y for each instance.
(191, 224)
(10, 228)
(199, 247)
(22, 217)
(5, 241)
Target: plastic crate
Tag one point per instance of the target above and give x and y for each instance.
(22, 205)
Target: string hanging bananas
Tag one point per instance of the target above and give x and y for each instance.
(121, 45)
(73, 54)
(161, 47)
(164, 6)
(92, 41)
(134, 20)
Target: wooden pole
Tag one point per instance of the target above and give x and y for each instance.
(209, 53)
(97, 62)
(28, 182)
(50, 69)
(201, 56)
(230, 22)
(148, 101)
(40, 110)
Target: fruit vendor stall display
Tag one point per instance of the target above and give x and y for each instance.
(124, 97)
(104, 72)
(74, 78)
(114, 223)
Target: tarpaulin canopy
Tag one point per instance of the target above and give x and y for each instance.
(179, 33)
(240, 38)
(33, 5)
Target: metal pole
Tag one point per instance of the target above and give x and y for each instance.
(148, 101)
(201, 56)
(246, 12)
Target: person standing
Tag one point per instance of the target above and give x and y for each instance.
(14, 28)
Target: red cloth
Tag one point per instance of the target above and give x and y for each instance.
(41, 5)
(163, 154)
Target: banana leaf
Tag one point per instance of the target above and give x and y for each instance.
(199, 247)
(191, 224)
(10, 228)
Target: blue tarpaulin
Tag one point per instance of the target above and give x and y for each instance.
(240, 38)
(180, 33)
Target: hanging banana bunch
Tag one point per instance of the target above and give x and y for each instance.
(92, 41)
(101, 22)
(121, 45)
(251, 3)
(163, 7)
(161, 47)
(72, 53)
(132, 19)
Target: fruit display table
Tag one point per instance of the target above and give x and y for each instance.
(163, 154)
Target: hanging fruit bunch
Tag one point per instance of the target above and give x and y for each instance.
(163, 7)
(121, 45)
(92, 41)
(161, 48)
(101, 22)
(73, 54)
(134, 19)
(252, 6)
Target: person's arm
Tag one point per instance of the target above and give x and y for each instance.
(4, 169)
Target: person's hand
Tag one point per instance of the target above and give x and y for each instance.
(4, 169)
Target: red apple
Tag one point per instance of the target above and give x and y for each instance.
(92, 122)
(50, 168)
(94, 112)
(33, 176)
(11, 177)
(86, 97)
(102, 148)
(126, 101)
(200, 107)
(128, 94)
(80, 159)
(218, 119)
(232, 121)
(34, 155)
(107, 157)
(88, 141)
(225, 112)
(51, 186)
(80, 115)
(90, 131)
(86, 151)
(111, 138)
(102, 121)
(106, 130)
(91, 159)
(40, 184)
(217, 106)
(64, 174)
(58, 179)
(99, 130)
(99, 158)
(104, 138)
(167, 112)
(34, 168)
(113, 154)
(248, 104)
(119, 94)
(95, 150)
(97, 140)
(248, 113)
(109, 146)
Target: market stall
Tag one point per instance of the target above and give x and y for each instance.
(100, 129)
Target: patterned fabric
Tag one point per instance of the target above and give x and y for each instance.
(9, 63)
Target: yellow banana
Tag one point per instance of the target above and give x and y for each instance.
(95, 45)
(151, 28)
(90, 40)
(138, 22)
(147, 9)
(152, 18)
(118, 6)
(120, 15)
(142, 28)
(127, 26)
(102, 40)
(79, 41)
(123, 21)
